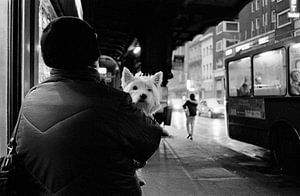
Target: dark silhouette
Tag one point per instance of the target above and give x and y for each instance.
(76, 135)
(191, 111)
(244, 90)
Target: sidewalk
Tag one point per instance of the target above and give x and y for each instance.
(182, 167)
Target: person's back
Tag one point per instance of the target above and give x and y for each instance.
(191, 107)
(79, 137)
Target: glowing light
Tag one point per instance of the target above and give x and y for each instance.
(293, 15)
(102, 70)
(263, 40)
(137, 50)
(228, 52)
(188, 84)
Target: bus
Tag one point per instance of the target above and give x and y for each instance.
(263, 100)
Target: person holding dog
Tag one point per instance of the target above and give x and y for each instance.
(76, 135)
(190, 107)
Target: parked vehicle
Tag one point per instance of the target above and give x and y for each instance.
(212, 107)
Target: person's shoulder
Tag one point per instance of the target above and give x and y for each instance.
(118, 94)
(193, 101)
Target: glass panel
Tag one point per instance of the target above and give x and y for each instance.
(295, 69)
(46, 14)
(4, 13)
(239, 75)
(231, 26)
(283, 19)
(270, 73)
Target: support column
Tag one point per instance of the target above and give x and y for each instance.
(156, 44)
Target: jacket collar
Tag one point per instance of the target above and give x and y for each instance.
(88, 74)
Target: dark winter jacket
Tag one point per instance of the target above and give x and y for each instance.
(79, 137)
(192, 107)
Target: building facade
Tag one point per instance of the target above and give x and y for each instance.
(227, 34)
(207, 47)
(194, 67)
(260, 23)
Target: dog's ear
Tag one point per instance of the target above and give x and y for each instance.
(127, 77)
(157, 78)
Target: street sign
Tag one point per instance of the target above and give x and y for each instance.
(293, 9)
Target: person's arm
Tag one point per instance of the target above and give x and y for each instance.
(140, 134)
(184, 105)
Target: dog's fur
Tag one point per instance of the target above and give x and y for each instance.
(144, 90)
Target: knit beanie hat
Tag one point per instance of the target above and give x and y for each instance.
(69, 43)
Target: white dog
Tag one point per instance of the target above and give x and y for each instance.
(144, 90)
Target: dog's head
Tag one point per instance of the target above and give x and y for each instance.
(144, 90)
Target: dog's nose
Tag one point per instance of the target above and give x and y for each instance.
(143, 96)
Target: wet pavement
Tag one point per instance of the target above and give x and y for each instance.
(207, 166)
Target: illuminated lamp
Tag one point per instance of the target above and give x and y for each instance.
(137, 50)
(102, 70)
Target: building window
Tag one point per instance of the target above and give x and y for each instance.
(219, 28)
(257, 23)
(266, 2)
(257, 5)
(219, 45)
(246, 35)
(210, 70)
(263, 3)
(282, 19)
(252, 7)
(252, 26)
(232, 27)
(266, 18)
(273, 16)
(263, 20)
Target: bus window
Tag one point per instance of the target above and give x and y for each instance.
(239, 77)
(269, 69)
(295, 69)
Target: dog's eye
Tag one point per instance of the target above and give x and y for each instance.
(134, 88)
(149, 89)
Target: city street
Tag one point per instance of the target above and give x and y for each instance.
(214, 131)
(212, 164)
